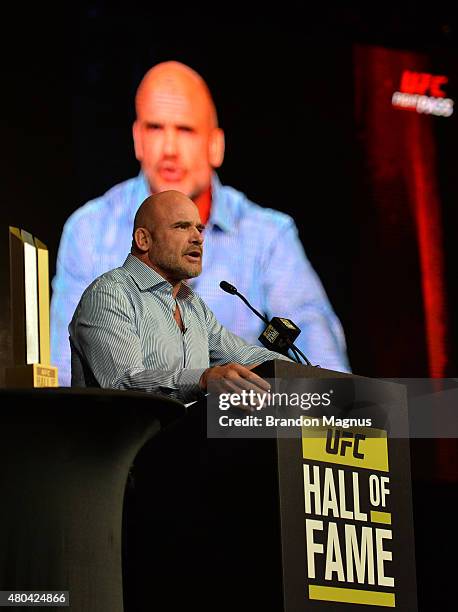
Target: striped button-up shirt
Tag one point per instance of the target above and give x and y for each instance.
(124, 335)
(256, 249)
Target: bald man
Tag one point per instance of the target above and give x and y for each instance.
(139, 327)
(179, 146)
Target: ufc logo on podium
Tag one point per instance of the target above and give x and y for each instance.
(338, 442)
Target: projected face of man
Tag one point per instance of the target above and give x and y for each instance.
(176, 137)
(168, 236)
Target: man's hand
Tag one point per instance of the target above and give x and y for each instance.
(232, 378)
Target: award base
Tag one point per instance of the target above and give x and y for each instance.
(31, 376)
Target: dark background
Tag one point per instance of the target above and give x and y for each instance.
(283, 79)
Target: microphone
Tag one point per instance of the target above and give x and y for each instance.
(279, 334)
(228, 288)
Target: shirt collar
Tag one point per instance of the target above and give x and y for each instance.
(221, 215)
(143, 186)
(147, 278)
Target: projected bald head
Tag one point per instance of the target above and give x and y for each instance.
(167, 236)
(176, 134)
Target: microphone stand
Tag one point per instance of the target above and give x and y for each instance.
(228, 288)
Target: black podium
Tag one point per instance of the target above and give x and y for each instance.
(217, 523)
(65, 456)
(341, 536)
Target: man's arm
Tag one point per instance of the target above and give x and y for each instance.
(292, 288)
(105, 334)
(232, 359)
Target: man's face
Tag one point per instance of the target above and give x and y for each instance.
(177, 241)
(173, 136)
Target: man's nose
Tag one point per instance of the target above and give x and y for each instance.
(197, 237)
(170, 142)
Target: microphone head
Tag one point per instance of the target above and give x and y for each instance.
(228, 288)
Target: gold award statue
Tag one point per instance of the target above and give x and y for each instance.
(29, 299)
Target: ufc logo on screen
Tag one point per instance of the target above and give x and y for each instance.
(423, 83)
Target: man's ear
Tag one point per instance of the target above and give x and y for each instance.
(216, 148)
(142, 239)
(137, 140)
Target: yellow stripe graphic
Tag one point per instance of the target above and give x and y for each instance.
(372, 451)
(381, 517)
(369, 598)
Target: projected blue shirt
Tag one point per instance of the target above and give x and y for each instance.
(254, 248)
